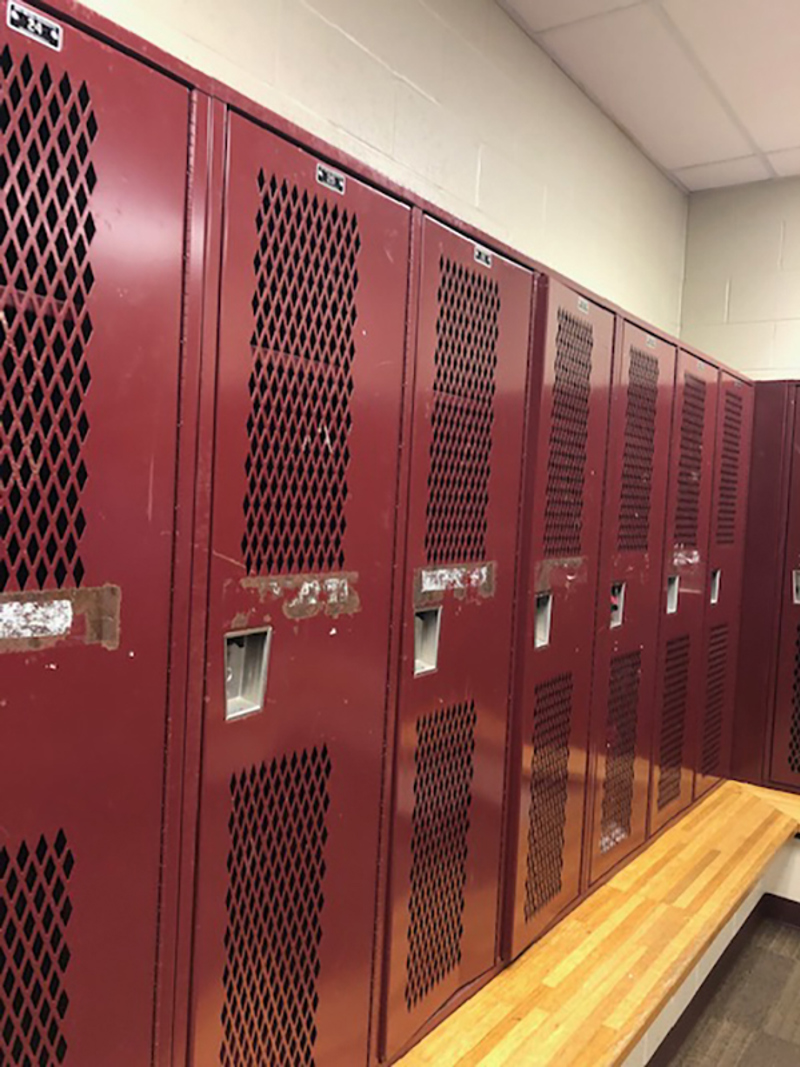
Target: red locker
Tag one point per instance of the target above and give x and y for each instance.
(472, 353)
(555, 654)
(724, 580)
(629, 596)
(681, 673)
(93, 163)
(309, 390)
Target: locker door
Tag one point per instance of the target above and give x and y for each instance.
(556, 653)
(681, 673)
(309, 389)
(724, 580)
(472, 351)
(785, 762)
(629, 596)
(93, 164)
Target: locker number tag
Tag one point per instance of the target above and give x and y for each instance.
(331, 179)
(32, 24)
(583, 305)
(483, 256)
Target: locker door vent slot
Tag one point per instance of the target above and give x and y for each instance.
(427, 625)
(796, 587)
(729, 468)
(569, 429)
(444, 768)
(617, 604)
(543, 621)
(716, 672)
(467, 331)
(621, 724)
(246, 664)
(547, 812)
(303, 348)
(716, 586)
(673, 593)
(794, 730)
(46, 228)
(637, 459)
(690, 461)
(673, 719)
(35, 910)
(275, 904)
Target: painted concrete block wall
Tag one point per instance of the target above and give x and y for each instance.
(742, 289)
(450, 98)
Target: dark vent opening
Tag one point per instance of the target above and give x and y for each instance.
(275, 904)
(673, 719)
(303, 344)
(729, 468)
(46, 228)
(35, 910)
(467, 331)
(547, 812)
(569, 428)
(623, 715)
(690, 462)
(716, 671)
(637, 461)
(444, 767)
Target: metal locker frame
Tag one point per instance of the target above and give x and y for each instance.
(471, 363)
(723, 606)
(626, 632)
(549, 749)
(680, 674)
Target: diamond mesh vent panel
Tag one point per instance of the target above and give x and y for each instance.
(729, 468)
(467, 330)
(623, 713)
(547, 812)
(690, 463)
(569, 428)
(46, 227)
(35, 910)
(444, 767)
(275, 901)
(637, 459)
(716, 670)
(673, 719)
(301, 382)
(794, 730)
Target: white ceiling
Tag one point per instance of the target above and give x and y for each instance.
(709, 89)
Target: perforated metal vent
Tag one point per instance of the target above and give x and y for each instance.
(716, 671)
(46, 181)
(440, 827)
(569, 428)
(673, 719)
(35, 910)
(301, 383)
(623, 714)
(637, 460)
(547, 812)
(467, 329)
(794, 730)
(690, 462)
(275, 902)
(729, 468)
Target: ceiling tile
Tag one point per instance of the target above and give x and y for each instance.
(786, 164)
(538, 15)
(750, 48)
(631, 64)
(728, 172)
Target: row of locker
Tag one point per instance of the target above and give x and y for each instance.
(310, 718)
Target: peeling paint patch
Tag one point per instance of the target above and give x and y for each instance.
(475, 581)
(33, 621)
(304, 596)
(682, 558)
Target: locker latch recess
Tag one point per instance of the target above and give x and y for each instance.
(716, 586)
(673, 591)
(246, 662)
(617, 604)
(544, 620)
(427, 624)
(796, 587)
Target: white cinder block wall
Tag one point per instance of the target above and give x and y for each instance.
(742, 290)
(450, 98)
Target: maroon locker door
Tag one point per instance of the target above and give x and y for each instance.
(309, 391)
(724, 581)
(555, 659)
(93, 163)
(785, 758)
(629, 596)
(472, 353)
(681, 675)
